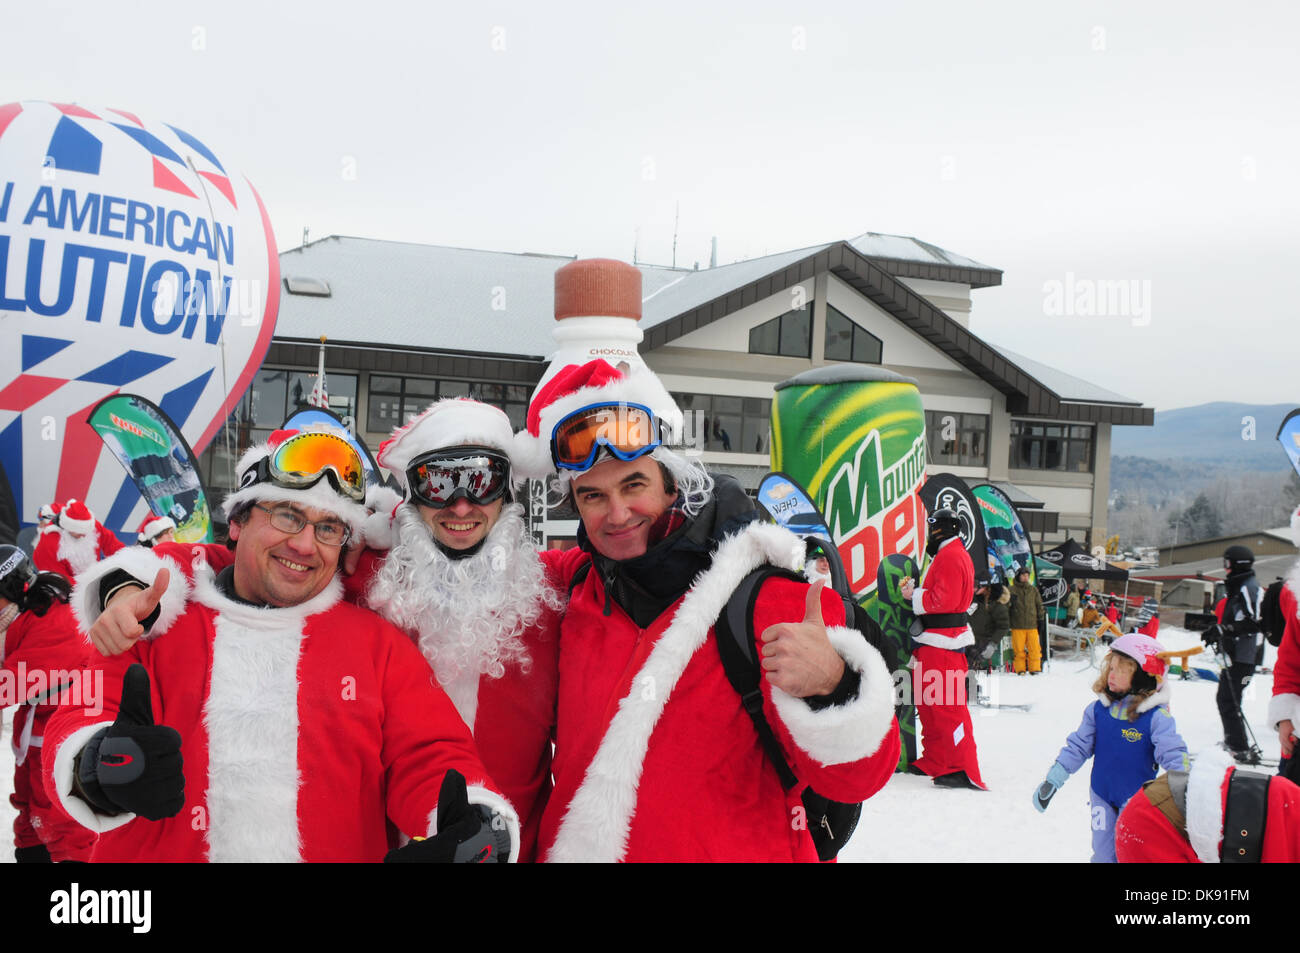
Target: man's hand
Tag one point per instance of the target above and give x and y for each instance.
(1286, 735)
(467, 834)
(798, 656)
(118, 626)
(1212, 635)
(907, 587)
(134, 765)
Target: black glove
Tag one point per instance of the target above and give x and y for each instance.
(467, 834)
(1212, 635)
(133, 765)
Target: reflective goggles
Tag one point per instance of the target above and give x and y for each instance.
(305, 459)
(627, 431)
(478, 474)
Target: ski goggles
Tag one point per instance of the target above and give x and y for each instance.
(305, 459)
(627, 431)
(477, 474)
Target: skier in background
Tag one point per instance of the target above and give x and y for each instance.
(1240, 642)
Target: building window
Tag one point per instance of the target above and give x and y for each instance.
(846, 341)
(729, 424)
(395, 401)
(959, 440)
(1066, 447)
(789, 335)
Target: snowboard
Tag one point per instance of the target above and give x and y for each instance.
(889, 610)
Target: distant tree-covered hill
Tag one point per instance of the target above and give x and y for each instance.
(1240, 436)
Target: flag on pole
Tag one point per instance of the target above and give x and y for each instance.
(319, 395)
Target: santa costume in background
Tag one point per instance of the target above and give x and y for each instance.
(77, 543)
(1285, 704)
(152, 527)
(308, 733)
(486, 622)
(1144, 834)
(940, 667)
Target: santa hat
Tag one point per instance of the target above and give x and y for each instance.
(1295, 528)
(76, 518)
(1146, 651)
(153, 527)
(452, 422)
(577, 386)
(321, 495)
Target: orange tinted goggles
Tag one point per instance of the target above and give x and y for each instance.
(302, 460)
(627, 431)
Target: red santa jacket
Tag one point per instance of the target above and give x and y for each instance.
(656, 759)
(1144, 835)
(948, 585)
(304, 730)
(510, 717)
(40, 655)
(1285, 703)
(46, 556)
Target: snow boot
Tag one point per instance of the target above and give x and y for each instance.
(957, 779)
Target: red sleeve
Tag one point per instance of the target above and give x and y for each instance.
(1286, 673)
(846, 752)
(47, 643)
(108, 541)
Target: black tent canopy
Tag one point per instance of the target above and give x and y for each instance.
(1077, 563)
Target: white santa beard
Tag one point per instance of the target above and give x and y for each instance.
(468, 615)
(79, 552)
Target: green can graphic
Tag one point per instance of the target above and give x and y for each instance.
(854, 437)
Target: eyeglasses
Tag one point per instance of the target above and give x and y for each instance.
(288, 520)
(627, 431)
(305, 459)
(478, 474)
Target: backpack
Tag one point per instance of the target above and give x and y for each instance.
(1271, 619)
(831, 823)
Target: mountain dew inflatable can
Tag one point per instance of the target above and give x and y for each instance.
(854, 437)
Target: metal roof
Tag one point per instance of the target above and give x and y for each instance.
(1065, 386)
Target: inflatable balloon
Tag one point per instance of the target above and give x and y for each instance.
(133, 257)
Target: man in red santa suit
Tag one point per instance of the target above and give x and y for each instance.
(154, 530)
(656, 759)
(1214, 813)
(305, 726)
(1284, 708)
(463, 579)
(940, 668)
(77, 542)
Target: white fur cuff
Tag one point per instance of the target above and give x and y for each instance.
(1282, 708)
(917, 607)
(378, 531)
(62, 773)
(852, 731)
(1205, 803)
(141, 564)
(478, 794)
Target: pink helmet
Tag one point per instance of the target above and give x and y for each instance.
(1144, 650)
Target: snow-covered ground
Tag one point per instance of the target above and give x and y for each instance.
(912, 820)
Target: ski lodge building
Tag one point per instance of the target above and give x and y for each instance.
(406, 324)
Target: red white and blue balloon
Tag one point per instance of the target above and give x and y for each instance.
(132, 258)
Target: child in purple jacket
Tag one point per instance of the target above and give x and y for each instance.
(1128, 732)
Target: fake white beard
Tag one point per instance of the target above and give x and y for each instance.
(80, 552)
(466, 614)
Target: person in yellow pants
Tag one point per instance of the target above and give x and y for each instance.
(1026, 612)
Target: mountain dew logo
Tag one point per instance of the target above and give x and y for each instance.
(874, 511)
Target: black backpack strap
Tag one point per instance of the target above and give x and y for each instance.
(735, 635)
(579, 575)
(1243, 818)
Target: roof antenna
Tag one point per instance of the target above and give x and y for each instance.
(636, 237)
(304, 235)
(676, 217)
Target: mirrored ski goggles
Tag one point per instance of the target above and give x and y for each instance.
(627, 431)
(304, 460)
(478, 474)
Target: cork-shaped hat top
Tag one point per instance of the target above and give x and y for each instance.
(598, 286)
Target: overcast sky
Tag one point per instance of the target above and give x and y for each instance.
(1153, 144)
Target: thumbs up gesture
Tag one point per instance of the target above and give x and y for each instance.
(798, 656)
(119, 625)
(134, 765)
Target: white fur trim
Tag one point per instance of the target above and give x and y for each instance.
(77, 527)
(1284, 707)
(251, 716)
(156, 526)
(844, 733)
(1295, 528)
(918, 607)
(597, 821)
(639, 385)
(1161, 696)
(143, 565)
(379, 531)
(451, 422)
(950, 642)
(1293, 583)
(63, 776)
(1205, 802)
